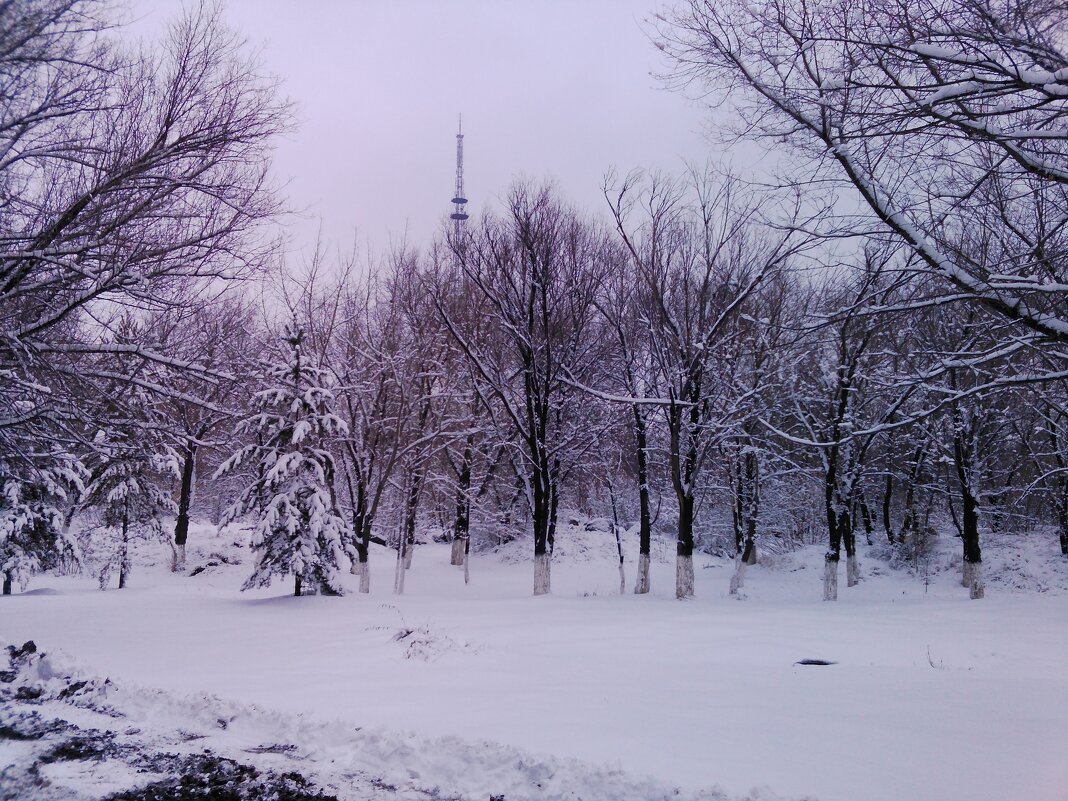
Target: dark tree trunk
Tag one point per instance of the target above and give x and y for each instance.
(462, 525)
(296, 586)
(888, 496)
(750, 506)
(1062, 514)
(834, 539)
(645, 517)
(7, 583)
(865, 518)
(185, 499)
(411, 515)
(963, 461)
(124, 554)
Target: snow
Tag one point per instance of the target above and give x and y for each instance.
(482, 689)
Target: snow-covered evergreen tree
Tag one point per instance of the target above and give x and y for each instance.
(128, 489)
(32, 534)
(298, 529)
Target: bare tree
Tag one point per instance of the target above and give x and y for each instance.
(537, 270)
(699, 258)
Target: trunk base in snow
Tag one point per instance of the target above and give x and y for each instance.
(684, 577)
(457, 556)
(738, 579)
(852, 571)
(830, 580)
(177, 558)
(398, 575)
(362, 569)
(541, 573)
(973, 580)
(641, 587)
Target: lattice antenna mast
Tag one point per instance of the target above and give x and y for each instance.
(459, 200)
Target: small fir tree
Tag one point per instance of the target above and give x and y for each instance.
(33, 536)
(128, 488)
(298, 530)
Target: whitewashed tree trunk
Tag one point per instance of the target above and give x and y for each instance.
(738, 579)
(622, 580)
(399, 571)
(642, 585)
(177, 558)
(467, 565)
(365, 577)
(968, 576)
(830, 580)
(458, 549)
(977, 589)
(852, 571)
(357, 568)
(973, 580)
(409, 552)
(684, 577)
(541, 574)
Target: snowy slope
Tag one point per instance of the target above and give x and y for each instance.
(932, 696)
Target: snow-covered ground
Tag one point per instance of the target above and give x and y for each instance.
(479, 690)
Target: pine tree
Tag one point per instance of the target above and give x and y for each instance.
(127, 487)
(299, 530)
(32, 534)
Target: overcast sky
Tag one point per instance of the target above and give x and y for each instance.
(555, 88)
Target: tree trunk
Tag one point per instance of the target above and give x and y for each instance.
(888, 494)
(641, 587)
(296, 585)
(462, 527)
(124, 553)
(7, 583)
(619, 541)
(684, 578)
(645, 517)
(738, 578)
(750, 507)
(411, 515)
(830, 578)
(865, 518)
(1062, 514)
(185, 499)
(849, 540)
(834, 535)
(973, 557)
(365, 574)
(541, 573)
(543, 519)
(467, 560)
(402, 563)
(456, 556)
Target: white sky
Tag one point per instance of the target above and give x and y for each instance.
(555, 88)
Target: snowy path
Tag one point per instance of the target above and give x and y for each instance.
(932, 696)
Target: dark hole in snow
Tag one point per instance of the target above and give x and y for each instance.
(814, 662)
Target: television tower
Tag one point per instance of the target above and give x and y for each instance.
(459, 214)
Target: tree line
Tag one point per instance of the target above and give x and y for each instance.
(872, 347)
